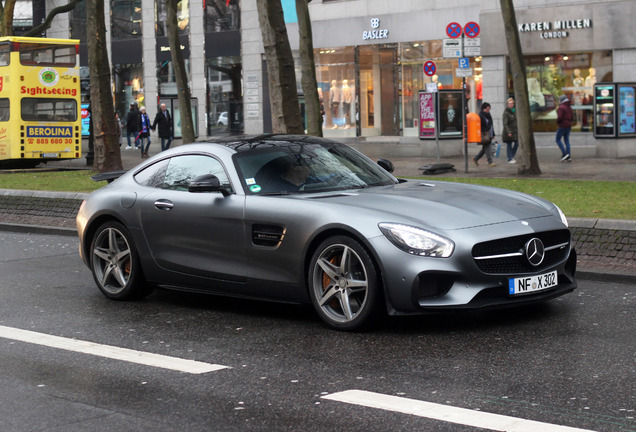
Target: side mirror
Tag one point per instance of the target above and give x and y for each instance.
(207, 183)
(386, 164)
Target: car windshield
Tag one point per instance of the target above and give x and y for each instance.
(307, 167)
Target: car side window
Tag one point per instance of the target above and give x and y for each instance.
(153, 175)
(183, 169)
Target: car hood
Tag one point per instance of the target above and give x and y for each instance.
(444, 205)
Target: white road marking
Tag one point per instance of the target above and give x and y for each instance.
(109, 351)
(463, 416)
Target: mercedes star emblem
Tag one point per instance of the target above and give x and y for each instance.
(535, 252)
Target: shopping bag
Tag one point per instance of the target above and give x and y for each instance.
(496, 149)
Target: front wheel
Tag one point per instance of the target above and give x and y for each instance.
(115, 263)
(343, 284)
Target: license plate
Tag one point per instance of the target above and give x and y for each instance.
(530, 284)
(53, 155)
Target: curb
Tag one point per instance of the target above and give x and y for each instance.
(38, 229)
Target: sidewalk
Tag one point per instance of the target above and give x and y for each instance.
(605, 247)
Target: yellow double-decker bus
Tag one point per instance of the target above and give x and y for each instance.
(39, 101)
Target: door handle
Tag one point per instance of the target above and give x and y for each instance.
(163, 205)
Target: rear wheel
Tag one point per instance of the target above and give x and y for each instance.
(343, 284)
(115, 263)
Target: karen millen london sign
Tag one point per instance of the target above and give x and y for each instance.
(555, 29)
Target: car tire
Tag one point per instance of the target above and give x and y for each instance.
(115, 263)
(343, 284)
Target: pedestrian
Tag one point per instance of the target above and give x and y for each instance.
(509, 133)
(132, 125)
(119, 129)
(564, 123)
(144, 132)
(487, 134)
(164, 120)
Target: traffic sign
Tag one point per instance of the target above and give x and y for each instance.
(463, 63)
(472, 47)
(452, 48)
(471, 29)
(463, 73)
(454, 30)
(429, 68)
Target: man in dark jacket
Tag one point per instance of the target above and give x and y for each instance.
(164, 120)
(132, 125)
(564, 123)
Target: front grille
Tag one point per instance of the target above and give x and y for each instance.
(507, 256)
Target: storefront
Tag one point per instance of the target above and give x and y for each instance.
(567, 50)
(369, 66)
(371, 90)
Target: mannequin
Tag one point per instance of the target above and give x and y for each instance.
(590, 81)
(335, 97)
(537, 100)
(347, 98)
(435, 79)
(577, 96)
(322, 107)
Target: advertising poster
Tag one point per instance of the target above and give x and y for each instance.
(86, 118)
(604, 110)
(450, 113)
(626, 122)
(427, 115)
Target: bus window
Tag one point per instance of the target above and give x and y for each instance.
(47, 55)
(4, 109)
(56, 110)
(5, 54)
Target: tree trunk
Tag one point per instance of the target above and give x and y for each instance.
(280, 68)
(180, 73)
(308, 69)
(105, 130)
(529, 163)
(6, 17)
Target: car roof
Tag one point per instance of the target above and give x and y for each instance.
(247, 142)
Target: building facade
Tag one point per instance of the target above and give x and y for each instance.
(370, 57)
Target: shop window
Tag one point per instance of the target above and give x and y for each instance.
(125, 19)
(221, 16)
(335, 73)
(128, 86)
(551, 75)
(225, 104)
(413, 56)
(161, 17)
(167, 78)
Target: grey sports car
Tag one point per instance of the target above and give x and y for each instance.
(303, 219)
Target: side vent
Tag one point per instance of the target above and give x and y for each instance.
(267, 235)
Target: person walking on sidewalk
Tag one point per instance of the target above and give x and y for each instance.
(509, 133)
(487, 134)
(164, 120)
(144, 133)
(132, 125)
(564, 123)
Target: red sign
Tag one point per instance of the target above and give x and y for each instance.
(429, 68)
(454, 30)
(471, 29)
(427, 114)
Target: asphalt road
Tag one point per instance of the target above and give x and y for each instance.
(570, 362)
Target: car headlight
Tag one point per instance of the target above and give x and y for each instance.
(417, 241)
(562, 215)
